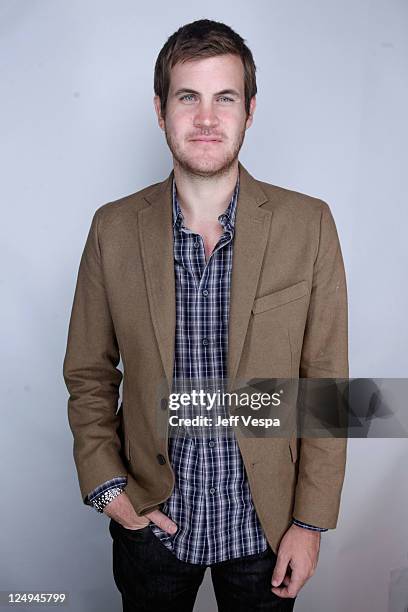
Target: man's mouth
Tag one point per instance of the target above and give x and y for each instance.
(205, 139)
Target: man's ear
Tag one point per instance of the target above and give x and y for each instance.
(157, 106)
(250, 118)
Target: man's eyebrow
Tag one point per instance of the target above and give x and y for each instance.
(231, 92)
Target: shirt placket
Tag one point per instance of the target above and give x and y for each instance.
(205, 360)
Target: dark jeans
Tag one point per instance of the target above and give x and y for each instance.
(150, 578)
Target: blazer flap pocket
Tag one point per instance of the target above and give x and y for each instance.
(127, 449)
(277, 298)
(293, 447)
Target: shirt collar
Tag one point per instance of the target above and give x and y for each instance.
(227, 218)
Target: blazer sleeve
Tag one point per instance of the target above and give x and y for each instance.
(91, 374)
(324, 355)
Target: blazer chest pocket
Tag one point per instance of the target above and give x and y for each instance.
(278, 298)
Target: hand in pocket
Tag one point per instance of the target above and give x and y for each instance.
(121, 510)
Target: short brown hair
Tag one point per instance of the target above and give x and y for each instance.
(201, 39)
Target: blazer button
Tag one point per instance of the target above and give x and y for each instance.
(161, 459)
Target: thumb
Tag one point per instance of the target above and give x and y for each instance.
(163, 521)
(279, 570)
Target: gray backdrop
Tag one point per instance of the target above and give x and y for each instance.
(78, 129)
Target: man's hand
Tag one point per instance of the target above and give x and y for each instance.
(122, 511)
(299, 549)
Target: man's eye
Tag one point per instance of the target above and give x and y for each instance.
(189, 97)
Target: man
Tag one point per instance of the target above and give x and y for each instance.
(210, 274)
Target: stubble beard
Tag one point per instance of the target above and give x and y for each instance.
(205, 168)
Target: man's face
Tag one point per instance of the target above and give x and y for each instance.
(205, 114)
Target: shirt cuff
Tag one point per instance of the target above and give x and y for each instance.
(118, 481)
(307, 526)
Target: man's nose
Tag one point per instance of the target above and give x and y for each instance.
(206, 116)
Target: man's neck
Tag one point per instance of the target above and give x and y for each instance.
(203, 199)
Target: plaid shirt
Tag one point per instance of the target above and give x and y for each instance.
(210, 475)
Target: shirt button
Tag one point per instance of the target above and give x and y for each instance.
(163, 403)
(205, 341)
(211, 443)
(212, 490)
(205, 292)
(196, 244)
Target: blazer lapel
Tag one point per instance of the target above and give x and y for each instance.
(250, 238)
(156, 239)
(252, 225)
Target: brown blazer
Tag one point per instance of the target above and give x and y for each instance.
(288, 318)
